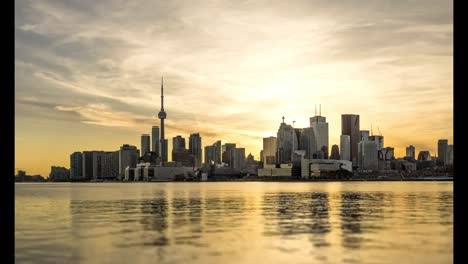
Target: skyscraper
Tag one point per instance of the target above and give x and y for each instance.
(155, 140)
(110, 165)
(87, 171)
(226, 150)
(237, 158)
(195, 148)
(76, 165)
(286, 141)
(320, 126)
(213, 153)
(162, 115)
(424, 155)
(411, 152)
(335, 152)
(442, 150)
(308, 143)
(145, 144)
(345, 147)
(379, 139)
(449, 154)
(269, 149)
(363, 134)
(178, 146)
(128, 157)
(368, 155)
(350, 127)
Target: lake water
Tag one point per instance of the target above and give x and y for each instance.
(234, 222)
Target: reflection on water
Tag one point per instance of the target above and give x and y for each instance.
(234, 222)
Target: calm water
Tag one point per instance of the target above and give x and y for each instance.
(248, 222)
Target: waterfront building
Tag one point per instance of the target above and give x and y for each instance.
(424, 155)
(226, 152)
(261, 156)
(145, 144)
(345, 147)
(363, 134)
(308, 143)
(387, 153)
(178, 149)
(411, 152)
(128, 157)
(379, 139)
(368, 155)
(76, 165)
(97, 164)
(195, 149)
(286, 143)
(110, 165)
(442, 151)
(350, 127)
(59, 174)
(154, 140)
(335, 152)
(320, 126)
(237, 158)
(217, 152)
(269, 150)
(449, 155)
(92, 164)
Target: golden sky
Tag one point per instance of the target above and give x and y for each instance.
(87, 73)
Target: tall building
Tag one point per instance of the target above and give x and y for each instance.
(269, 150)
(145, 144)
(217, 153)
(363, 134)
(442, 150)
(128, 157)
(286, 143)
(335, 153)
(110, 165)
(59, 174)
(76, 165)
(449, 154)
(308, 143)
(368, 155)
(320, 126)
(261, 156)
(162, 115)
(195, 148)
(411, 152)
(424, 155)
(379, 139)
(226, 150)
(213, 153)
(387, 153)
(350, 127)
(155, 140)
(97, 164)
(87, 171)
(238, 158)
(345, 147)
(178, 145)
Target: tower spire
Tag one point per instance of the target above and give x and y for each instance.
(162, 93)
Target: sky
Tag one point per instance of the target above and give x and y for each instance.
(88, 73)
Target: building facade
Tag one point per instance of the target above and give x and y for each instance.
(128, 157)
(308, 143)
(238, 158)
(378, 139)
(195, 149)
(442, 151)
(269, 150)
(145, 144)
(345, 147)
(110, 165)
(227, 150)
(76, 165)
(320, 126)
(363, 134)
(335, 152)
(368, 155)
(350, 127)
(411, 152)
(286, 143)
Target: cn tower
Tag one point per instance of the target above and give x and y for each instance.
(162, 115)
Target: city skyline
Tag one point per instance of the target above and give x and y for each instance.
(96, 86)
